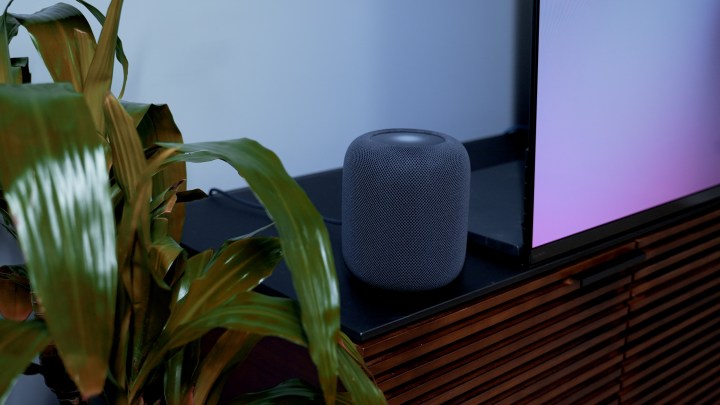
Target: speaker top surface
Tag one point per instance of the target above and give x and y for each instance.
(407, 137)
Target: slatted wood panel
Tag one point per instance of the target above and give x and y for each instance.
(639, 323)
(533, 341)
(672, 353)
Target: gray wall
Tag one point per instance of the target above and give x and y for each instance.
(306, 77)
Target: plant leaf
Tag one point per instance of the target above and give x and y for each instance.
(163, 252)
(304, 239)
(279, 317)
(248, 311)
(237, 267)
(19, 344)
(177, 389)
(6, 222)
(194, 268)
(356, 381)
(52, 166)
(251, 312)
(99, 77)
(53, 33)
(86, 50)
(158, 125)
(155, 123)
(230, 349)
(136, 110)
(130, 170)
(11, 24)
(7, 31)
(119, 52)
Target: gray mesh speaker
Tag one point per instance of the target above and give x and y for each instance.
(405, 207)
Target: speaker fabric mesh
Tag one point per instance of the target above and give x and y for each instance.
(405, 211)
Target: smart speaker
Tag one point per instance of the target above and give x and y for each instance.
(405, 207)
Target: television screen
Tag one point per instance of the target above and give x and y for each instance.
(627, 109)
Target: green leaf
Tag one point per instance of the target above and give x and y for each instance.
(304, 238)
(158, 125)
(7, 29)
(19, 344)
(11, 24)
(194, 268)
(250, 312)
(131, 172)
(164, 203)
(52, 166)
(86, 51)
(53, 32)
(119, 52)
(99, 77)
(163, 252)
(236, 268)
(232, 348)
(356, 381)
(155, 123)
(136, 110)
(122, 341)
(178, 390)
(279, 317)
(6, 223)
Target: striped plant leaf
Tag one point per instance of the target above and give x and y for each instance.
(271, 316)
(6, 33)
(86, 51)
(19, 344)
(194, 268)
(52, 167)
(99, 77)
(119, 51)
(250, 312)
(136, 110)
(304, 238)
(158, 125)
(362, 389)
(237, 267)
(11, 24)
(53, 32)
(178, 389)
(155, 123)
(130, 170)
(230, 349)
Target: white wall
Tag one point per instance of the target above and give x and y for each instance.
(306, 77)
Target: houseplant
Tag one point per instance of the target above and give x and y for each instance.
(93, 189)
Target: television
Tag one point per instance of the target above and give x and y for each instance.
(624, 118)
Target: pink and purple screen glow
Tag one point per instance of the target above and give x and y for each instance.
(628, 109)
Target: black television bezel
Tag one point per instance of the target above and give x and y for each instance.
(603, 236)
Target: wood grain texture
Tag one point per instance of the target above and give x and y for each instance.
(645, 241)
(389, 341)
(603, 330)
